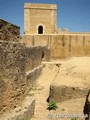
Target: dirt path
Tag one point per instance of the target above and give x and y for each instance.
(42, 92)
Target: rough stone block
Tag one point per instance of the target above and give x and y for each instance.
(25, 111)
(73, 80)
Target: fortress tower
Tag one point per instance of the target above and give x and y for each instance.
(40, 18)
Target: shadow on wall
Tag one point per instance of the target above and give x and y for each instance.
(43, 55)
(87, 106)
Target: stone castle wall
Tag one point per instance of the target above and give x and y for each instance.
(61, 46)
(39, 14)
(64, 46)
(15, 61)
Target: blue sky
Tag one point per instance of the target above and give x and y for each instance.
(71, 14)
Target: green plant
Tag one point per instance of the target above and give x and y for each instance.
(52, 105)
(73, 118)
(22, 118)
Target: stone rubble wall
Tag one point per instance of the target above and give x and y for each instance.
(12, 75)
(35, 56)
(9, 31)
(15, 60)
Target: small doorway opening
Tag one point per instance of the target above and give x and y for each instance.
(40, 30)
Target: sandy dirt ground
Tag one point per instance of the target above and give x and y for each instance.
(72, 107)
(42, 92)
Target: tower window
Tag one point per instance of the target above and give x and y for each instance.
(40, 30)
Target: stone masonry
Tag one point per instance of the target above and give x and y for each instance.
(41, 29)
(36, 15)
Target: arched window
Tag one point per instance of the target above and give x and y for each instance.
(40, 30)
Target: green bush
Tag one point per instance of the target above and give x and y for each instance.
(52, 105)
